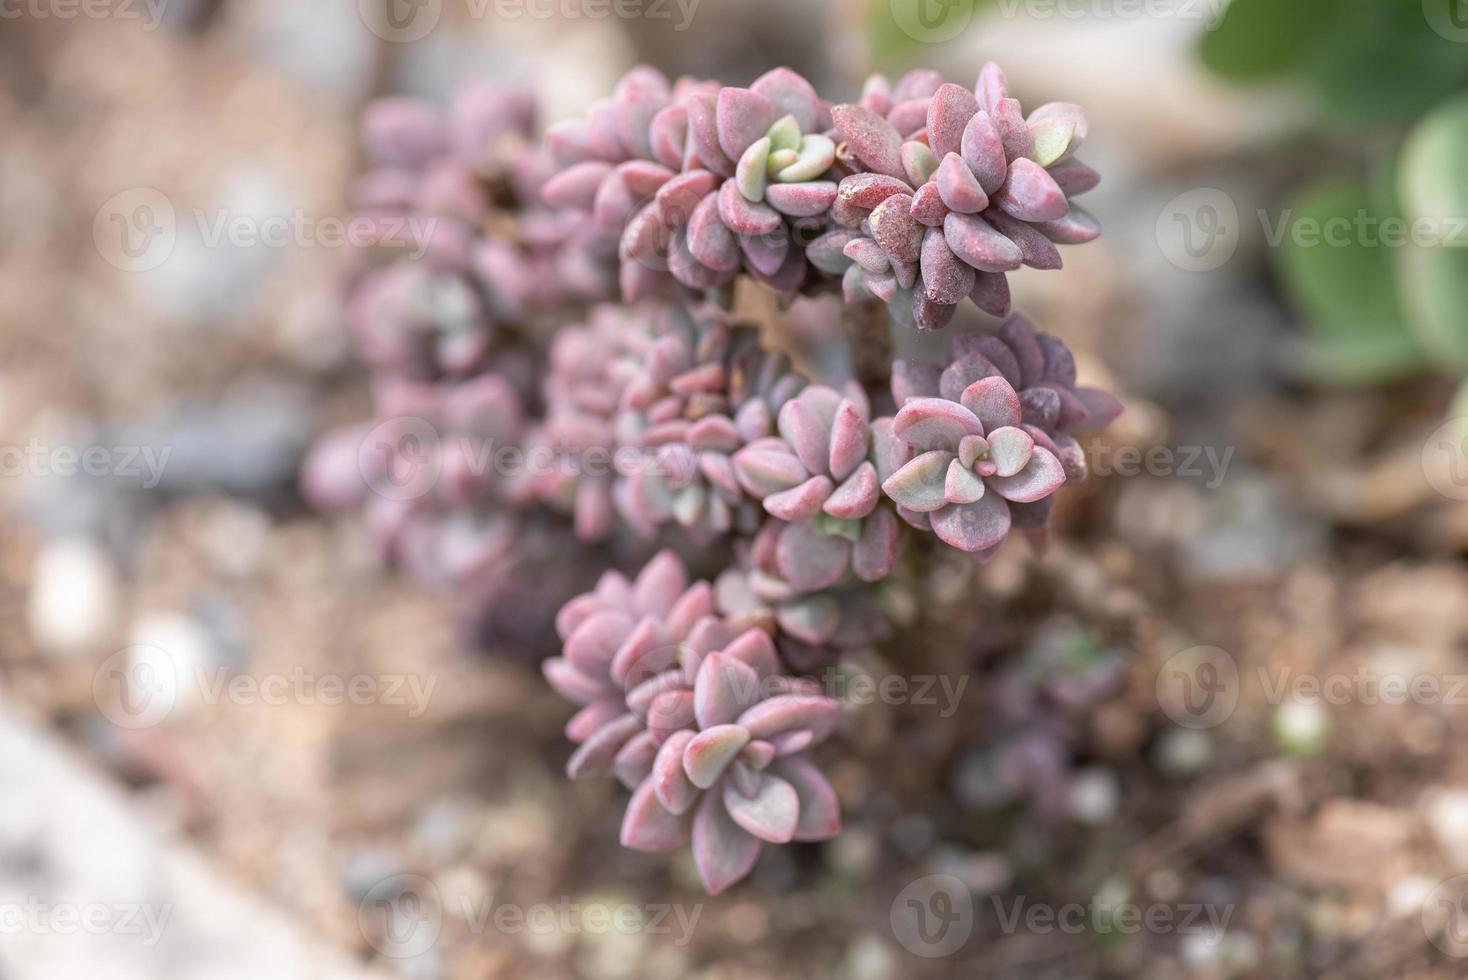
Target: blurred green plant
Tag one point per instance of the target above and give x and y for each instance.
(1390, 298)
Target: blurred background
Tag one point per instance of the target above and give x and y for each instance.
(1214, 733)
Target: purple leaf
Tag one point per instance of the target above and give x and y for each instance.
(648, 827)
(1010, 449)
(675, 791)
(765, 253)
(1076, 228)
(802, 200)
(876, 550)
(958, 187)
(945, 278)
(973, 527)
(710, 241)
(991, 293)
(1038, 252)
(961, 485)
(576, 186)
(809, 560)
(874, 141)
(591, 648)
(801, 502)
(949, 112)
(1031, 194)
(634, 762)
(928, 206)
(820, 812)
(1041, 477)
(784, 713)
(992, 87)
(668, 133)
(994, 401)
(866, 191)
(1074, 177)
(895, 230)
(909, 116)
(790, 94)
(742, 116)
(703, 131)
(594, 756)
(935, 423)
(983, 150)
(710, 752)
(976, 242)
(857, 496)
(1019, 142)
(849, 440)
(723, 851)
(677, 198)
(919, 486)
(771, 814)
(743, 216)
(725, 687)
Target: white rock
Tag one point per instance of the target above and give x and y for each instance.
(1094, 795)
(73, 604)
(177, 655)
(1447, 816)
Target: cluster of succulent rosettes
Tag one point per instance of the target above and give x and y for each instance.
(696, 718)
(955, 189)
(980, 446)
(698, 182)
(455, 197)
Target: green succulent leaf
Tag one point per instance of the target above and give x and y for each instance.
(1345, 288)
(1434, 284)
(1260, 39)
(1432, 175)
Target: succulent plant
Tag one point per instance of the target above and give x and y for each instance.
(739, 776)
(1037, 366)
(955, 189)
(699, 414)
(698, 182)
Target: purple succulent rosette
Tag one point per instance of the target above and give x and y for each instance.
(698, 182)
(462, 187)
(700, 722)
(739, 776)
(970, 460)
(958, 188)
(1041, 370)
